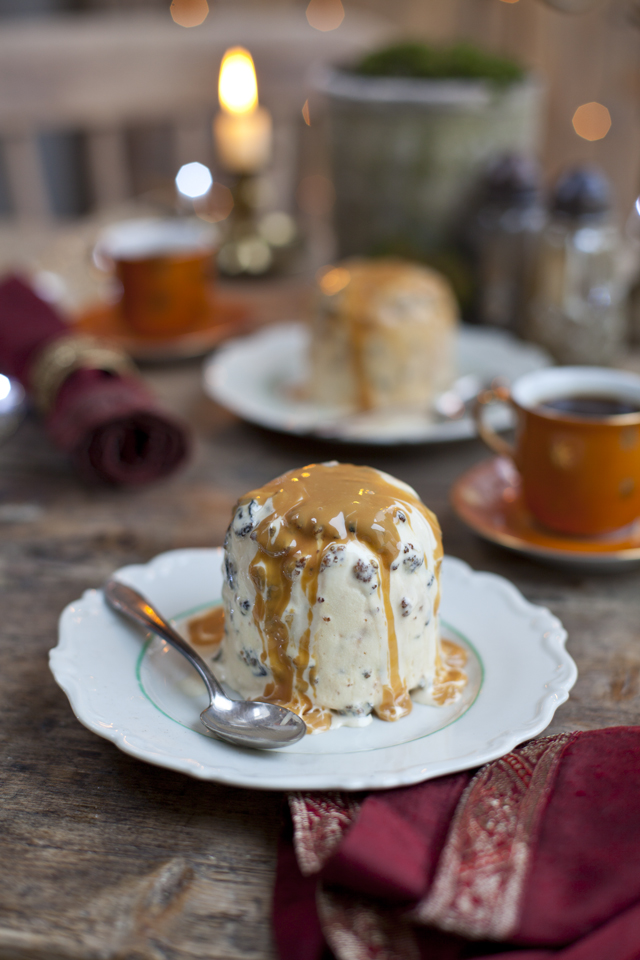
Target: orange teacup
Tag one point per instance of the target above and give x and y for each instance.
(577, 446)
(166, 269)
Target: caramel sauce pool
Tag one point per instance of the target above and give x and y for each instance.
(207, 630)
(312, 509)
(450, 678)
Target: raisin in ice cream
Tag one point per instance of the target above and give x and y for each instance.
(331, 592)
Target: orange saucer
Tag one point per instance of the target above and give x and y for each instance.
(226, 318)
(488, 499)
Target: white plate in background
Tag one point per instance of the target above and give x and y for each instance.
(258, 378)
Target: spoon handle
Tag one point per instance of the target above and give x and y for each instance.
(133, 605)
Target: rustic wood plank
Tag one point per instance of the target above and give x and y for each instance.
(100, 69)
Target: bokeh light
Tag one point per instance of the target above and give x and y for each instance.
(325, 14)
(194, 180)
(316, 195)
(509, 1)
(189, 13)
(216, 205)
(5, 387)
(592, 121)
(332, 280)
(305, 113)
(238, 86)
(277, 228)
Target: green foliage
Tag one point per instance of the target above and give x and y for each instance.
(459, 62)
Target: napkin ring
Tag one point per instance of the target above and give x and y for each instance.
(60, 358)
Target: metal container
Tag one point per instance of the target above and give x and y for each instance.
(406, 153)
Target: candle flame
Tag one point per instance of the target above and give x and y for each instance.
(238, 86)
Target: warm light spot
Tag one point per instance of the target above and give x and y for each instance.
(316, 195)
(216, 205)
(194, 180)
(305, 113)
(509, 1)
(189, 13)
(325, 14)
(592, 121)
(238, 86)
(332, 280)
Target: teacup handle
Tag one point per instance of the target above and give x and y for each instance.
(490, 437)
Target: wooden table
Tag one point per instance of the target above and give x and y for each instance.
(102, 856)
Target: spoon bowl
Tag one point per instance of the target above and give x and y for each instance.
(266, 724)
(245, 723)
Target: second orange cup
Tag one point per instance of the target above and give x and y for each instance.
(166, 269)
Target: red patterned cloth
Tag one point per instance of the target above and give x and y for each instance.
(535, 856)
(110, 425)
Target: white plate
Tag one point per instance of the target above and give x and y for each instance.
(140, 693)
(257, 377)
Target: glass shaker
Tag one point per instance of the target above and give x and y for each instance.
(505, 238)
(577, 307)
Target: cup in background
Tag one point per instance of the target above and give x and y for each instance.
(166, 268)
(580, 474)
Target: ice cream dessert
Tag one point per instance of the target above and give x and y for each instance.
(383, 335)
(331, 592)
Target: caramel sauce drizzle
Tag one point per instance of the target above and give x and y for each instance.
(314, 508)
(358, 307)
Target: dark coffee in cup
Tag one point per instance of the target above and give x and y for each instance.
(591, 405)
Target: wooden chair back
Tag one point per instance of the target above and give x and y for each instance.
(103, 73)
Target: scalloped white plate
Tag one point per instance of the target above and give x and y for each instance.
(258, 377)
(143, 696)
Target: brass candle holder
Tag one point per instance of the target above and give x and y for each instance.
(256, 242)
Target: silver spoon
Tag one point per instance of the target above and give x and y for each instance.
(246, 723)
(12, 405)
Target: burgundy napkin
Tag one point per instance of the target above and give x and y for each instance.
(534, 856)
(109, 424)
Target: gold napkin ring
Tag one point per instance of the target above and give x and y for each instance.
(68, 353)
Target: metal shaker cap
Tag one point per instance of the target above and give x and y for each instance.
(582, 192)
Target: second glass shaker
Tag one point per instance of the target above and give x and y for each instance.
(576, 309)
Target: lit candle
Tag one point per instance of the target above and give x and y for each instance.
(242, 129)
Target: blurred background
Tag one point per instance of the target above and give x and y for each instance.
(50, 47)
(104, 101)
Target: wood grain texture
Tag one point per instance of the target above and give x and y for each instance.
(102, 856)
